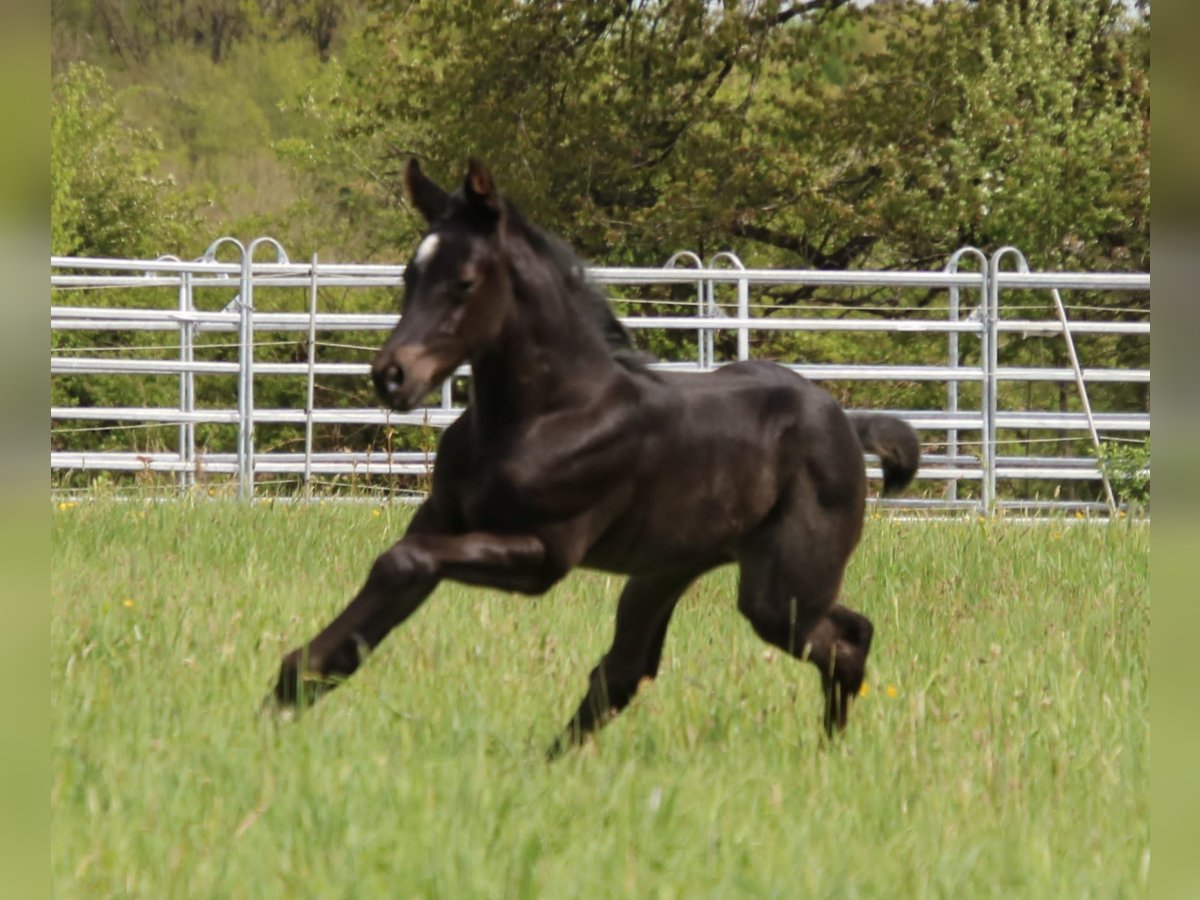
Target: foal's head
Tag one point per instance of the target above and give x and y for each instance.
(457, 289)
(480, 265)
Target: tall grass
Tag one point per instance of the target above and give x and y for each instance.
(1000, 749)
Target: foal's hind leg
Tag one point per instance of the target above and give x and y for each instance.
(849, 634)
(791, 573)
(643, 613)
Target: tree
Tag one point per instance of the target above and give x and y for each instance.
(999, 123)
(318, 20)
(584, 110)
(136, 31)
(817, 134)
(106, 198)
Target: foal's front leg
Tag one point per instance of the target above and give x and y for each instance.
(397, 585)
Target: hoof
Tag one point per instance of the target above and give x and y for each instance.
(572, 739)
(297, 687)
(271, 706)
(838, 700)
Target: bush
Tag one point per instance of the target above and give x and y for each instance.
(1127, 467)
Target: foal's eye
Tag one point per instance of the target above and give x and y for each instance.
(466, 285)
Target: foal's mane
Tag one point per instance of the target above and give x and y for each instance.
(595, 313)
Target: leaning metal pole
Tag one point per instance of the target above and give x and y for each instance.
(1061, 311)
(1083, 397)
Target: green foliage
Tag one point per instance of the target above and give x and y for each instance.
(881, 136)
(132, 33)
(584, 112)
(991, 124)
(1127, 467)
(887, 135)
(220, 123)
(106, 198)
(824, 134)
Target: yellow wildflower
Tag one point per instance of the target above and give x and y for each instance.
(127, 603)
(891, 691)
(864, 690)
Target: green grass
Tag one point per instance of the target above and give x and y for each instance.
(1001, 750)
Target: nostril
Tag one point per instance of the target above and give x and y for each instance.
(388, 379)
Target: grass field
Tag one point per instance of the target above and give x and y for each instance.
(1001, 748)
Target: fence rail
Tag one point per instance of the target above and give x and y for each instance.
(950, 458)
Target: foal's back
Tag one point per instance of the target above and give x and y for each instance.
(717, 455)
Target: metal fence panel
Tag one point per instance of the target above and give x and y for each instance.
(724, 292)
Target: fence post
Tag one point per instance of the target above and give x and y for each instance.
(993, 364)
(310, 385)
(744, 314)
(1061, 311)
(187, 384)
(689, 256)
(246, 383)
(246, 374)
(244, 463)
(707, 311)
(743, 301)
(989, 353)
(952, 353)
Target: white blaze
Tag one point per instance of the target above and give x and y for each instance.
(426, 249)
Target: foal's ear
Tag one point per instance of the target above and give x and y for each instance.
(480, 187)
(429, 199)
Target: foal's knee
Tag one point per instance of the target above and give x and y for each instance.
(780, 622)
(863, 632)
(401, 564)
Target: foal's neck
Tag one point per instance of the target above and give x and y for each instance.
(547, 356)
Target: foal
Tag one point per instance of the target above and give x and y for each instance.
(571, 452)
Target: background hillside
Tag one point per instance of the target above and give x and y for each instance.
(816, 134)
(806, 134)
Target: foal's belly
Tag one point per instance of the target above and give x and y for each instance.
(694, 512)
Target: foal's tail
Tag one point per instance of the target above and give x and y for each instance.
(896, 444)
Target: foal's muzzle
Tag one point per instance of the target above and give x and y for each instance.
(389, 382)
(403, 376)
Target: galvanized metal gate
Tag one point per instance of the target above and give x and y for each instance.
(723, 303)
